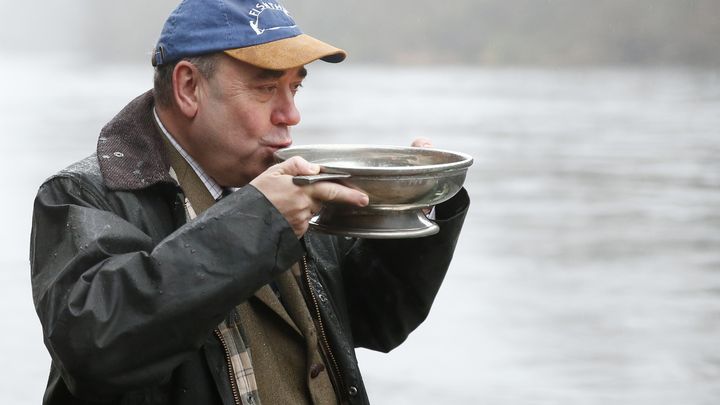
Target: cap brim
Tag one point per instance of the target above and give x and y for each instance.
(288, 53)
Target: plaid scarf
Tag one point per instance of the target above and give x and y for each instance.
(230, 333)
(240, 360)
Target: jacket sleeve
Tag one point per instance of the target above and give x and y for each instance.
(391, 284)
(120, 311)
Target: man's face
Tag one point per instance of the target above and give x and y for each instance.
(244, 115)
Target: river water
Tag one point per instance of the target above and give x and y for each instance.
(588, 271)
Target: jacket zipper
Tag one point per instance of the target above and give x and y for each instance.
(231, 372)
(321, 327)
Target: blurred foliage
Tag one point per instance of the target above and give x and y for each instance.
(547, 32)
(488, 32)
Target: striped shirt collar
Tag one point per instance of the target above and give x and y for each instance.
(213, 187)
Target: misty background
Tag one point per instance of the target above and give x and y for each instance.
(484, 32)
(588, 271)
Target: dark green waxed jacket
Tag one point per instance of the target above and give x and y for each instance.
(129, 294)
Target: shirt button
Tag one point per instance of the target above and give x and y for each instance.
(352, 390)
(316, 369)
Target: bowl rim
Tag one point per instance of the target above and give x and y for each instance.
(464, 160)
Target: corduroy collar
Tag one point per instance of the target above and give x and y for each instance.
(130, 148)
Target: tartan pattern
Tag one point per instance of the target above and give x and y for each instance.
(242, 371)
(240, 359)
(232, 338)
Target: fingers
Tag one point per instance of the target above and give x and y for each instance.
(323, 190)
(296, 166)
(422, 143)
(326, 191)
(298, 204)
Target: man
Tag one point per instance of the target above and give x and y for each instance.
(175, 265)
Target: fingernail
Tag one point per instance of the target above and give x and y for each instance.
(365, 200)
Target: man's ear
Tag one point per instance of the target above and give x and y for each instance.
(186, 82)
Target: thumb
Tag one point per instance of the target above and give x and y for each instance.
(296, 166)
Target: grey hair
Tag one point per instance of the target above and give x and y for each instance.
(162, 80)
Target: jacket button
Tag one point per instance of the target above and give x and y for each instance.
(316, 369)
(352, 390)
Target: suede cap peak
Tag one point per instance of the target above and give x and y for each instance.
(263, 34)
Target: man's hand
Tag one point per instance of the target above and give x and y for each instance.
(298, 204)
(422, 143)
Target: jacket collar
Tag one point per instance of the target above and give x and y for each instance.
(131, 150)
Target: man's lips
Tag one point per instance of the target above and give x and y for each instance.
(278, 145)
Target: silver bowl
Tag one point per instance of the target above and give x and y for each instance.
(399, 181)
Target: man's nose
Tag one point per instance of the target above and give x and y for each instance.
(285, 111)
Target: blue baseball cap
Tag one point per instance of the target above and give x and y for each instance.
(261, 33)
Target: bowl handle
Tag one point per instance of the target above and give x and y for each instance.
(305, 180)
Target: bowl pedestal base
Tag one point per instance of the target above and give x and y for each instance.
(373, 223)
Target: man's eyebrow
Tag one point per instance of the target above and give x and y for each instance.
(269, 74)
(265, 74)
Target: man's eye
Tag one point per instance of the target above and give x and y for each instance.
(296, 87)
(268, 89)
